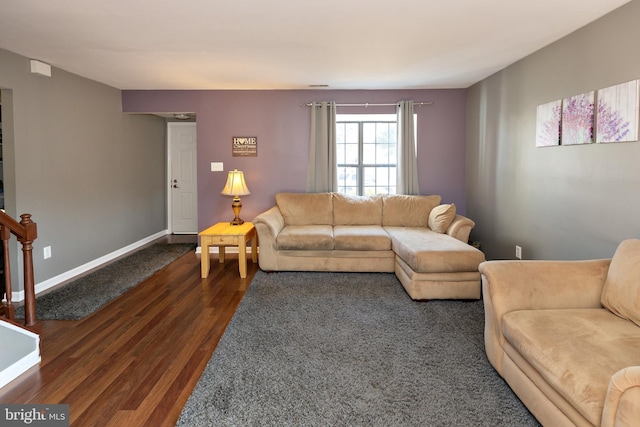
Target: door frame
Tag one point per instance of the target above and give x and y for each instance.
(170, 126)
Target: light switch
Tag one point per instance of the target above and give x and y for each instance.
(217, 167)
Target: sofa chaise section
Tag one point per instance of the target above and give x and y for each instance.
(432, 265)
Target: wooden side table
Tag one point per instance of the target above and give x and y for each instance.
(224, 234)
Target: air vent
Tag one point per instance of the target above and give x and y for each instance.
(184, 116)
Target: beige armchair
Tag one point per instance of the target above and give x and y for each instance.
(565, 335)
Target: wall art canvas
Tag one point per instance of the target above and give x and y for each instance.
(577, 119)
(617, 113)
(548, 124)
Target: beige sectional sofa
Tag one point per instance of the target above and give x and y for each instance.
(565, 335)
(423, 241)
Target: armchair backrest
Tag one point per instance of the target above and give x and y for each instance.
(621, 291)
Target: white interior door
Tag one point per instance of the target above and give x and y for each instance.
(183, 191)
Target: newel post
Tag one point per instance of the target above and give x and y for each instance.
(30, 234)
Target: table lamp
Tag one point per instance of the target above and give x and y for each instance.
(236, 186)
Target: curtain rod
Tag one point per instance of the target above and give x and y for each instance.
(367, 104)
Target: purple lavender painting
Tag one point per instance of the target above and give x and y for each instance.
(617, 113)
(577, 119)
(548, 124)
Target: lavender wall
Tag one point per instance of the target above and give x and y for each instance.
(282, 127)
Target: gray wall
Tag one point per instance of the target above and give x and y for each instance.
(566, 202)
(92, 177)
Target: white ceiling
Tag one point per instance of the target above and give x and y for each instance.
(288, 44)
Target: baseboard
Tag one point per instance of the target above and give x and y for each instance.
(54, 281)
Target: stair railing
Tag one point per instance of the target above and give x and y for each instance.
(26, 232)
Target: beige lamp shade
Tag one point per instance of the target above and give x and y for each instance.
(236, 186)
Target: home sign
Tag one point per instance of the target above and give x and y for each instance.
(244, 146)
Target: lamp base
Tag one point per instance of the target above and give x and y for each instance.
(236, 206)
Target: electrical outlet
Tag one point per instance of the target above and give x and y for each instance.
(47, 252)
(518, 252)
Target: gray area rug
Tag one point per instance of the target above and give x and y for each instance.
(350, 349)
(89, 293)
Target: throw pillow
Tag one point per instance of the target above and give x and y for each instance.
(441, 217)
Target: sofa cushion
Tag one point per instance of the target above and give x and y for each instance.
(576, 351)
(306, 208)
(408, 211)
(360, 238)
(441, 217)
(621, 291)
(305, 237)
(426, 251)
(357, 210)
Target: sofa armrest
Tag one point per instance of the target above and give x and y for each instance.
(268, 225)
(530, 285)
(460, 228)
(622, 404)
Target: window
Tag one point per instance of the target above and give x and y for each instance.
(366, 152)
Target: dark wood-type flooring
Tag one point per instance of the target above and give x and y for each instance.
(136, 361)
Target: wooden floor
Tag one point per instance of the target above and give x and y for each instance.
(136, 361)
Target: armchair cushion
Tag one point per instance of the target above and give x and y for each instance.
(621, 292)
(576, 351)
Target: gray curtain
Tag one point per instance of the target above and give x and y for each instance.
(407, 170)
(321, 168)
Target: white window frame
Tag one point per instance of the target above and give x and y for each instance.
(361, 189)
